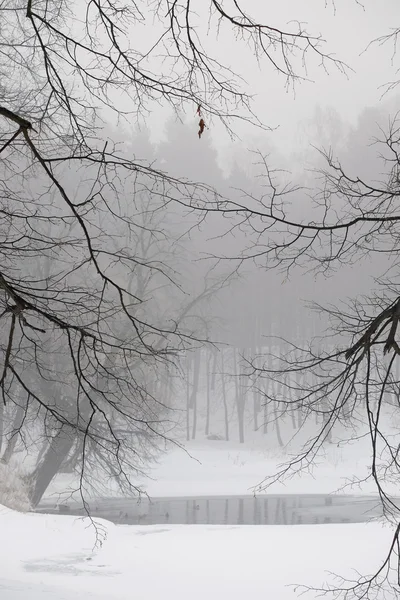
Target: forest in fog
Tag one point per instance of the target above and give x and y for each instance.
(199, 299)
(235, 316)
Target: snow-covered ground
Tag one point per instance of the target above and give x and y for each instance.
(224, 469)
(234, 470)
(46, 557)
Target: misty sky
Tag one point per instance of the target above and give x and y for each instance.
(348, 27)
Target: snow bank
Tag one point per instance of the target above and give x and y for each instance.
(43, 556)
(227, 469)
(234, 470)
(13, 489)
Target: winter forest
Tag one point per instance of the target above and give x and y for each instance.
(236, 323)
(199, 298)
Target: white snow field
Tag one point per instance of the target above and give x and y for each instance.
(224, 469)
(46, 557)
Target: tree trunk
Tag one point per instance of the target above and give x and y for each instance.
(196, 377)
(59, 448)
(226, 415)
(42, 451)
(278, 428)
(187, 398)
(1, 423)
(214, 371)
(265, 417)
(194, 424)
(193, 398)
(293, 415)
(299, 418)
(17, 422)
(169, 391)
(209, 384)
(241, 400)
(265, 410)
(325, 419)
(241, 426)
(70, 463)
(256, 393)
(256, 405)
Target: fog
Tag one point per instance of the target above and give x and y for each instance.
(199, 287)
(348, 28)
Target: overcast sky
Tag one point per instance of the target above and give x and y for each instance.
(348, 27)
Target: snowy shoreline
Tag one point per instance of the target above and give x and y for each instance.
(56, 557)
(234, 471)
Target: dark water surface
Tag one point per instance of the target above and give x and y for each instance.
(229, 510)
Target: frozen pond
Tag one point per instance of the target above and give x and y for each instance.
(230, 510)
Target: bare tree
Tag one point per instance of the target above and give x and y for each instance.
(350, 377)
(224, 395)
(72, 199)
